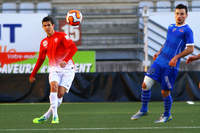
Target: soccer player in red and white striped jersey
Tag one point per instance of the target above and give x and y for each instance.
(60, 50)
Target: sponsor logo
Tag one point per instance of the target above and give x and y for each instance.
(181, 30)
(174, 29)
(56, 40)
(45, 43)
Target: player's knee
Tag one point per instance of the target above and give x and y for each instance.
(54, 86)
(147, 83)
(60, 95)
(165, 93)
(144, 87)
(61, 91)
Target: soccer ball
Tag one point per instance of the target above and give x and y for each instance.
(74, 17)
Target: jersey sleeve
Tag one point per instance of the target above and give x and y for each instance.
(40, 60)
(189, 37)
(69, 44)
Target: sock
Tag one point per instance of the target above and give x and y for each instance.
(60, 101)
(145, 97)
(54, 103)
(49, 112)
(167, 105)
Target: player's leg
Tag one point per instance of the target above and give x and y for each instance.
(152, 75)
(49, 112)
(65, 84)
(146, 93)
(145, 97)
(54, 99)
(53, 79)
(167, 85)
(64, 87)
(167, 99)
(61, 92)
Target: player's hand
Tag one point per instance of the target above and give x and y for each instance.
(63, 64)
(156, 55)
(31, 79)
(199, 84)
(173, 61)
(190, 59)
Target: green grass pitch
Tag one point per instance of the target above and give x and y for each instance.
(99, 118)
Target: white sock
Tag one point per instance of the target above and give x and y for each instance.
(60, 101)
(49, 112)
(54, 103)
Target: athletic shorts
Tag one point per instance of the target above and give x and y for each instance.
(64, 77)
(166, 76)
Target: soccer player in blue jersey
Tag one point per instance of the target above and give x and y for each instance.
(179, 43)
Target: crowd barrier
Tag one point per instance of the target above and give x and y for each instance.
(96, 87)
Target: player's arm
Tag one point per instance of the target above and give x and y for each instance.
(189, 49)
(156, 54)
(69, 44)
(40, 60)
(192, 58)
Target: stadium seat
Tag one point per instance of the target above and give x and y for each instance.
(181, 2)
(26, 7)
(163, 6)
(146, 3)
(195, 5)
(44, 7)
(9, 7)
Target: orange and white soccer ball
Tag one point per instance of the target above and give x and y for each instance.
(74, 17)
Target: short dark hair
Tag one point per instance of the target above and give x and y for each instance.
(181, 6)
(48, 18)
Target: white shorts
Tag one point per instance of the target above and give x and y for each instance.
(63, 76)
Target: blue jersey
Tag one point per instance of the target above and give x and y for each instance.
(177, 39)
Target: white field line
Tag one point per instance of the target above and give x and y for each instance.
(17, 104)
(85, 129)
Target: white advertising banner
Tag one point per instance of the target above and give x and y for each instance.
(21, 32)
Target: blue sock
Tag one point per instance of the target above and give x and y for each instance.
(145, 97)
(167, 105)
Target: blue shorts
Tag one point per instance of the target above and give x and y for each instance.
(166, 76)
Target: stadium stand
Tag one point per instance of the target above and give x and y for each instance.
(109, 28)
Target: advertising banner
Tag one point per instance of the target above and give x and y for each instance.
(21, 32)
(24, 62)
(20, 37)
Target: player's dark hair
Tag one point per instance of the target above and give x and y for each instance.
(181, 6)
(48, 18)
